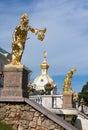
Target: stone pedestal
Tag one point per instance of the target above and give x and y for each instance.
(67, 101)
(15, 81)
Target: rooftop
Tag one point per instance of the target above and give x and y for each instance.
(4, 53)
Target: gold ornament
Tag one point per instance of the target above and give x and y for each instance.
(67, 88)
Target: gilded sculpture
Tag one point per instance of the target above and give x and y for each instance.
(20, 37)
(67, 88)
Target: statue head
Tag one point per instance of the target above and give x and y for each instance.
(70, 73)
(73, 70)
(24, 19)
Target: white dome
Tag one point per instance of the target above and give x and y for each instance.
(41, 80)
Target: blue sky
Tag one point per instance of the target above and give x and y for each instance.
(66, 40)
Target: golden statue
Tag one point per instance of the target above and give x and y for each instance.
(67, 88)
(20, 37)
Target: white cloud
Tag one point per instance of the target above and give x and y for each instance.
(66, 39)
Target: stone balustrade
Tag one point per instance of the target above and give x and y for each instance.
(48, 101)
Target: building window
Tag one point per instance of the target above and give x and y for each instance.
(1, 64)
(41, 80)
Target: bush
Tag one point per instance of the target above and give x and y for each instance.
(84, 94)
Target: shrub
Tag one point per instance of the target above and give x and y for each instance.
(4, 126)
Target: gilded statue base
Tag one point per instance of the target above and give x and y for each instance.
(15, 81)
(67, 101)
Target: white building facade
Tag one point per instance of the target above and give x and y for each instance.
(4, 59)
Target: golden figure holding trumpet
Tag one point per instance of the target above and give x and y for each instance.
(20, 37)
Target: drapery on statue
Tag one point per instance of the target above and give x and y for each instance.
(67, 88)
(20, 37)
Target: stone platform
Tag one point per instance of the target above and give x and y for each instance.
(15, 81)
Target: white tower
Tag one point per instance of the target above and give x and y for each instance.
(44, 79)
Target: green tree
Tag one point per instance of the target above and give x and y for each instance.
(84, 94)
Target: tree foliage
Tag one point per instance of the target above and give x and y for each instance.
(84, 94)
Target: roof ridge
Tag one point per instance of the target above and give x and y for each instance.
(3, 51)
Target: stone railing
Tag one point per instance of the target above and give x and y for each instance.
(48, 101)
(37, 98)
(85, 109)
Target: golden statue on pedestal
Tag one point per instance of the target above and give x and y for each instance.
(67, 88)
(20, 37)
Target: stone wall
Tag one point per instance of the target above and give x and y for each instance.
(22, 116)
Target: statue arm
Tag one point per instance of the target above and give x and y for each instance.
(13, 36)
(33, 30)
(36, 31)
(40, 33)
